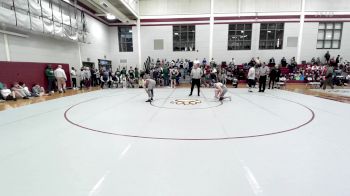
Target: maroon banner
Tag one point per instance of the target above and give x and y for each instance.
(28, 72)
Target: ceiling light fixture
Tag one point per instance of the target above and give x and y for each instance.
(110, 17)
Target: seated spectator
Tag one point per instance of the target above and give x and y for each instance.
(19, 91)
(38, 91)
(6, 93)
(25, 89)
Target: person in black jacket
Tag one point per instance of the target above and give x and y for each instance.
(327, 56)
(272, 76)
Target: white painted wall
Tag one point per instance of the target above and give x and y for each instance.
(309, 50)
(116, 56)
(327, 5)
(177, 7)
(37, 48)
(252, 6)
(220, 52)
(98, 41)
(174, 7)
(2, 48)
(150, 33)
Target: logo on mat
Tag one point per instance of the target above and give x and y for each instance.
(186, 101)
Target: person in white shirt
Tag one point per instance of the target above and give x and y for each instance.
(196, 75)
(6, 93)
(61, 79)
(251, 78)
(73, 75)
(263, 72)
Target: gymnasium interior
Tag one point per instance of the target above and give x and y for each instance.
(174, 97)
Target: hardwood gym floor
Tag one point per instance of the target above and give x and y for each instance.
(298, 88)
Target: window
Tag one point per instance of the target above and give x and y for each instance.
(125, 39)
(239, 36)
(329, 35)
(184, 38)
(271, 36)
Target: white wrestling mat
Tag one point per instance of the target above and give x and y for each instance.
(112, 143)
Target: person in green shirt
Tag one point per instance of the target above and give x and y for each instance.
(166, 75)
(49, 73)
(123, 72)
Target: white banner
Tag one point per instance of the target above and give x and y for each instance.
(23, 20)
(7, 16)
(37, 24)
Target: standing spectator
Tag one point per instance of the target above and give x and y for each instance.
(293, 65)
(337, 61)
(73, 75)
(327, 56)
(173, 74)
(328, 80)
(97, 77)
(166, 75)
(272, 62)
(87, 77)
(263, 71)
(93, 77)
(123, 72)
(283, 62)
(232, 63)
(251, 78)
(61, 79)
(104, 78)
(272, 75)
(49, 73)
(196, 75)
(81, 77)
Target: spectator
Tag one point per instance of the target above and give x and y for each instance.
(38, 91)
(93, 80)
(87, 77)
(19, 91)
(272, 76)
(263, 71)
(61, 79)
(327, 56)
(328, 80)
(73, 75)
(251, 78)
(166, 75)
(284, 62)
(6, 93)
(173, 74)
(272, 62)
(25, 89)
(49, 73)
(337, 61)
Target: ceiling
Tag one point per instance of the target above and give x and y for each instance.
(99, 11)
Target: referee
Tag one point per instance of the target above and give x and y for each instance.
(196, 75)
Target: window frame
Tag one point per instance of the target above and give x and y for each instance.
(181, 37)
(332, 40)
(124, 44)
(274, 28)
(235, 30)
